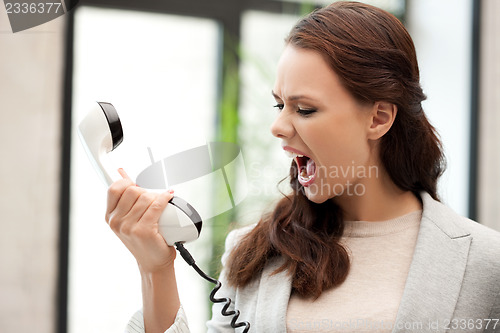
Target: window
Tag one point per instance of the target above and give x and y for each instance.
(160, 72)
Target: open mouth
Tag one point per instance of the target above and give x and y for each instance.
(306, 169)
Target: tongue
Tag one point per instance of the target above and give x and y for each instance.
(311, 167)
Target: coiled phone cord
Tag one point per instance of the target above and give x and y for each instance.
(236, 313)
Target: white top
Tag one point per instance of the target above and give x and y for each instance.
(380, 254)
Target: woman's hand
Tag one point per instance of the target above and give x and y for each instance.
(133, 214)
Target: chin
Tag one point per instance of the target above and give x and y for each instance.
(313, 194)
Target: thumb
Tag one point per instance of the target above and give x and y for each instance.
(124, 174)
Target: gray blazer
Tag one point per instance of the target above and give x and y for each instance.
(453, 284)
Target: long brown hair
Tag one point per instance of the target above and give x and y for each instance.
(374, 56)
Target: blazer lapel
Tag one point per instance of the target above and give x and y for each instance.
(436, 272)
(272, 300)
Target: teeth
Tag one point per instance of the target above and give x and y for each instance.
(304, 177)
(292, 155)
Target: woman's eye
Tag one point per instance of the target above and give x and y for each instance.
(279, 106)
(306, 112)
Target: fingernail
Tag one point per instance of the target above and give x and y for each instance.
(170, 191)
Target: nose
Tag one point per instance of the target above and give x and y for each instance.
(282, 126)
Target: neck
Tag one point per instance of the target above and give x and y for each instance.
(379, 200)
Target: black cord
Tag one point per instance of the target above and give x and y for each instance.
(236, 313)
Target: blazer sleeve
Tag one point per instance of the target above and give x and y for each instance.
(136, 323)
(494, 324)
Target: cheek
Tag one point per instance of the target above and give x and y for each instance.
(338, 143)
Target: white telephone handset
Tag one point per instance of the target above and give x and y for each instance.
(100, 133)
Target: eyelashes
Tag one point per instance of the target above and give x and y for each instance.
(279, 106)
(302, 112)
(306, 112)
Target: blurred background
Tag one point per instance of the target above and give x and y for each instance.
(182, 73)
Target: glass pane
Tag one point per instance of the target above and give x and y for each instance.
(443, 40)
(396, 7)
(266, 164)
(160, 72)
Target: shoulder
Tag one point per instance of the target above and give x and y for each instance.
(235, 235)
(480, 231)
(485, 242)
(233, 239)
(482, 269)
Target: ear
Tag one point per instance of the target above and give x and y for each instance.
(382, 117)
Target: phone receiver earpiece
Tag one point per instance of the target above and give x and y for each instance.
(100, 133)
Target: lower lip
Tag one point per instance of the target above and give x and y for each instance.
(307, 182)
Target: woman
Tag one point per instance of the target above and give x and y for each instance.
(362, 243)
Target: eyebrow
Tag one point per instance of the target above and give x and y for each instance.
(293, 98)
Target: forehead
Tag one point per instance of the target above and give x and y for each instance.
(302, 71)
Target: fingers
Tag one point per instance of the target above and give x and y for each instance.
(116, 191)
(142, 203)
(124, 174)
(156, 208)
(133, 214)
(128, 203)
(138, 208)
(128, 200)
